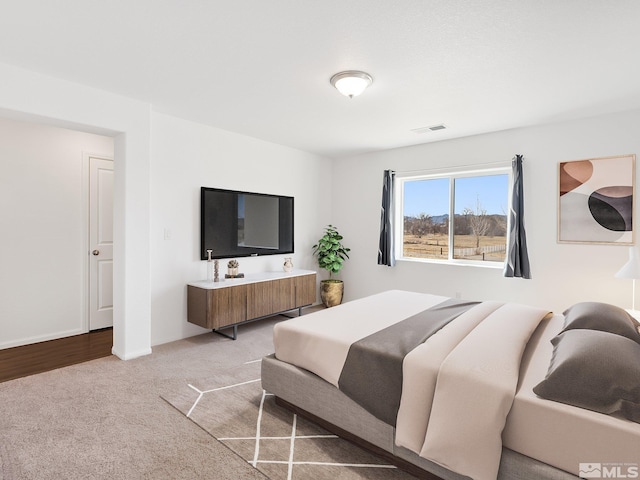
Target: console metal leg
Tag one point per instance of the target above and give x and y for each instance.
(233, 336)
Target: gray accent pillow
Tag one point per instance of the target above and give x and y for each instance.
(595, 370)
(603, 317)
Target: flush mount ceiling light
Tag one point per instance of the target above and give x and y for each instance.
(351, 83)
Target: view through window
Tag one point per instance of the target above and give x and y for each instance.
(455, 217)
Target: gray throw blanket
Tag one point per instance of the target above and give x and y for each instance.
(372, 372)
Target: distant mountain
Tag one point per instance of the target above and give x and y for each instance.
(435, 219)
(439, 219)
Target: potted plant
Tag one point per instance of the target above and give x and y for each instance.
(331, 255)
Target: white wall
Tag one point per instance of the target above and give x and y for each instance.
(562, 273)
(43, 212)
(35, 97)
(187, 156)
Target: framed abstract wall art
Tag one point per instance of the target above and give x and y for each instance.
(595, 201)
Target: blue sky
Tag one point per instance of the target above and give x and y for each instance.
(432, 196)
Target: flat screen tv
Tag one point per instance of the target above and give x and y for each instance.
(244, 224)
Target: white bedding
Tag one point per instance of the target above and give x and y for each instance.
(474, 392)
(420, 370)
(554, 433)
(321, 345)
(479, 381)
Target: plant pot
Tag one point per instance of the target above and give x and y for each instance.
(331, 292)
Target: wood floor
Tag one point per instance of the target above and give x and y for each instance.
(41, 357)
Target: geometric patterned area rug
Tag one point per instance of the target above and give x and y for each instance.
(232, 407)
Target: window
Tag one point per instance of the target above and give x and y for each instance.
(461, 217)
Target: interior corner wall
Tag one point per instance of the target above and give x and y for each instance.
(43, 211)
(563, 274)
(34, 97)
(187, 156)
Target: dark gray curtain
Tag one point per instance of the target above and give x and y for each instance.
(517, 264)
(385, 248)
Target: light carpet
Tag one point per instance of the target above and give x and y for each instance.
(232, 406)
(104, 419)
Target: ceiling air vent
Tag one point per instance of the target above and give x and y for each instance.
(432, 128)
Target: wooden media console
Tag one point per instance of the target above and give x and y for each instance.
(231, 302)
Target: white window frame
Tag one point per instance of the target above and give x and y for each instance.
(451, 174)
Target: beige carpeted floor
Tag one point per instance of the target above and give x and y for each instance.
(105, 419)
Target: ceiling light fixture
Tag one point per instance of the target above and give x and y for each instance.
(351, 83)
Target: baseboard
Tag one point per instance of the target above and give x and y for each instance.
(131, 355)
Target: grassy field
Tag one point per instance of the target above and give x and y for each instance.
(435, 246)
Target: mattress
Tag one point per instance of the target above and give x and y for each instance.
(321, 345)
(559, 435)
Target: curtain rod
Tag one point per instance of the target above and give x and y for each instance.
(456, 168)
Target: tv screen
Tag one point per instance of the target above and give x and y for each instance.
(244, 224)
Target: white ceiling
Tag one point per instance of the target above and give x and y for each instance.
(262, 67)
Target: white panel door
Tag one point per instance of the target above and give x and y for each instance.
(100, 243)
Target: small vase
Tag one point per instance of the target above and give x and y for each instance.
(288, 265)
(233, 271)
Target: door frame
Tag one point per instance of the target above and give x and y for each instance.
(86, 226)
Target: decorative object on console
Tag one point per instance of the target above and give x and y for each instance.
(209, 267)
(331, 255)
(631, 269)
(288, 265)
(595, 202)
(232, 270)
(216, 278)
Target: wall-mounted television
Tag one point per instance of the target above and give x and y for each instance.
(244, 224)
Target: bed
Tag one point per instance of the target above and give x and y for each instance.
(461, 379)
